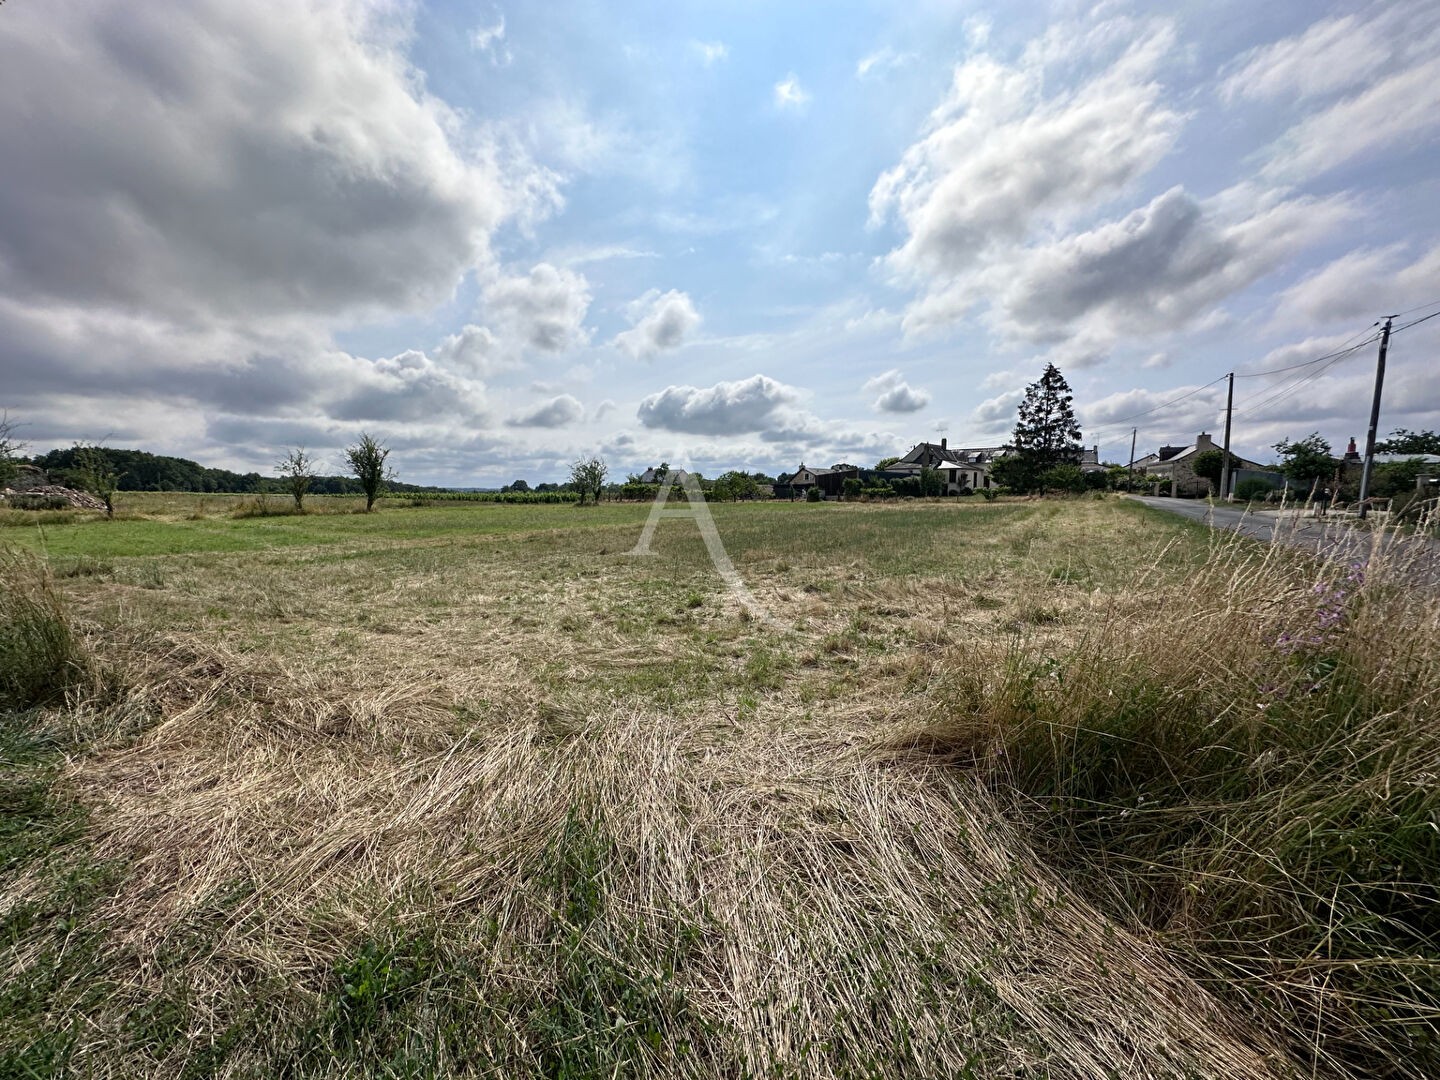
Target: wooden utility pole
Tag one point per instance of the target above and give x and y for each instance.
(1130, 474)
(1374, 417)
(1225, 467)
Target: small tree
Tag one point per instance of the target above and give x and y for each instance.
(813, 495)
(298, 469)
(930, 482)
(95, 474)
(587, 475)
(852, 487)
(1211, 466)
(367, 461)
(1306, 461)
(10, 448)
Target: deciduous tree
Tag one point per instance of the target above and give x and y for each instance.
(96, 475)
(1306, 461)
(298, 469)
(1410, 442)
(367, 461)
(588, 477)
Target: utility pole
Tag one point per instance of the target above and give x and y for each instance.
(1225, 468)
(1130, 474)
(1374, 416)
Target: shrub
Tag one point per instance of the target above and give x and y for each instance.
(813, 495)
(1265, 798)
(38, 502)
(41, 655)
(1252, 489)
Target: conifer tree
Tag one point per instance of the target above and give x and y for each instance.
(1047, 433)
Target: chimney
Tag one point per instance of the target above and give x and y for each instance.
(943, 441)
(1203, 442)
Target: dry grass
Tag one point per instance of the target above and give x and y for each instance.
(521, 805)
(1247, 763)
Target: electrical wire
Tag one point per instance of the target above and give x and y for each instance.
(1344, 349)
(1415, 322)
(1164, 404)
(1281, 394)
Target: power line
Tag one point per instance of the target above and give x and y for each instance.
(1344, 349)
(1164, 404)
(1290, 388)
(1421, 307)
(1415, 322)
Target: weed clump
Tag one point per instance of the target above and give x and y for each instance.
(41, 655)
(1248, 764)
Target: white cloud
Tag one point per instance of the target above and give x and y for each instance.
(1000, 409)
(1362, 285)
(895, 395)
(710, 52)
(544, 309)
(491, 40)
(660, 321)
(557, 412)
(473, 349)
(226, 160)
(789, 94)
(1374, 78)
(1332, 54)
(1158, 269)
(881, 60)
(756, 404)
(1001, 155)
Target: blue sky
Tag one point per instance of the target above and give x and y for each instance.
(500, 236)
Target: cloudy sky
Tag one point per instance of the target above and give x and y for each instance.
(724, 233)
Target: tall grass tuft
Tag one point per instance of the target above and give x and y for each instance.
(41, 656)
(1249, 764)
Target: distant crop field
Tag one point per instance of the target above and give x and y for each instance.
(471, 790)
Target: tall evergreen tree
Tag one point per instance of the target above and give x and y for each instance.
(1047, 433)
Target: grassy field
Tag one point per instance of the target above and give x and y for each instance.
(472, 791)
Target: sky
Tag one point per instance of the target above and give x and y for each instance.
(501, 236)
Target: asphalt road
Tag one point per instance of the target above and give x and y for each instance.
(1333, 537)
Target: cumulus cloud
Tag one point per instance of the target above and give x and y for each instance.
(895, 395)
(544, 309)
(208, 192)
(756, 404)
(789, 94)
(557, 412)
(1001, 155)
(1160, 267)
(997, 203)
(228, 160)
(661, 321)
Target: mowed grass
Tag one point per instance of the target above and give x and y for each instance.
(473, 791)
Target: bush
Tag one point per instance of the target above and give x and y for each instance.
(1266, 800)
(813, 495)
(1252, 489)
(24, 501)
(41, 655)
